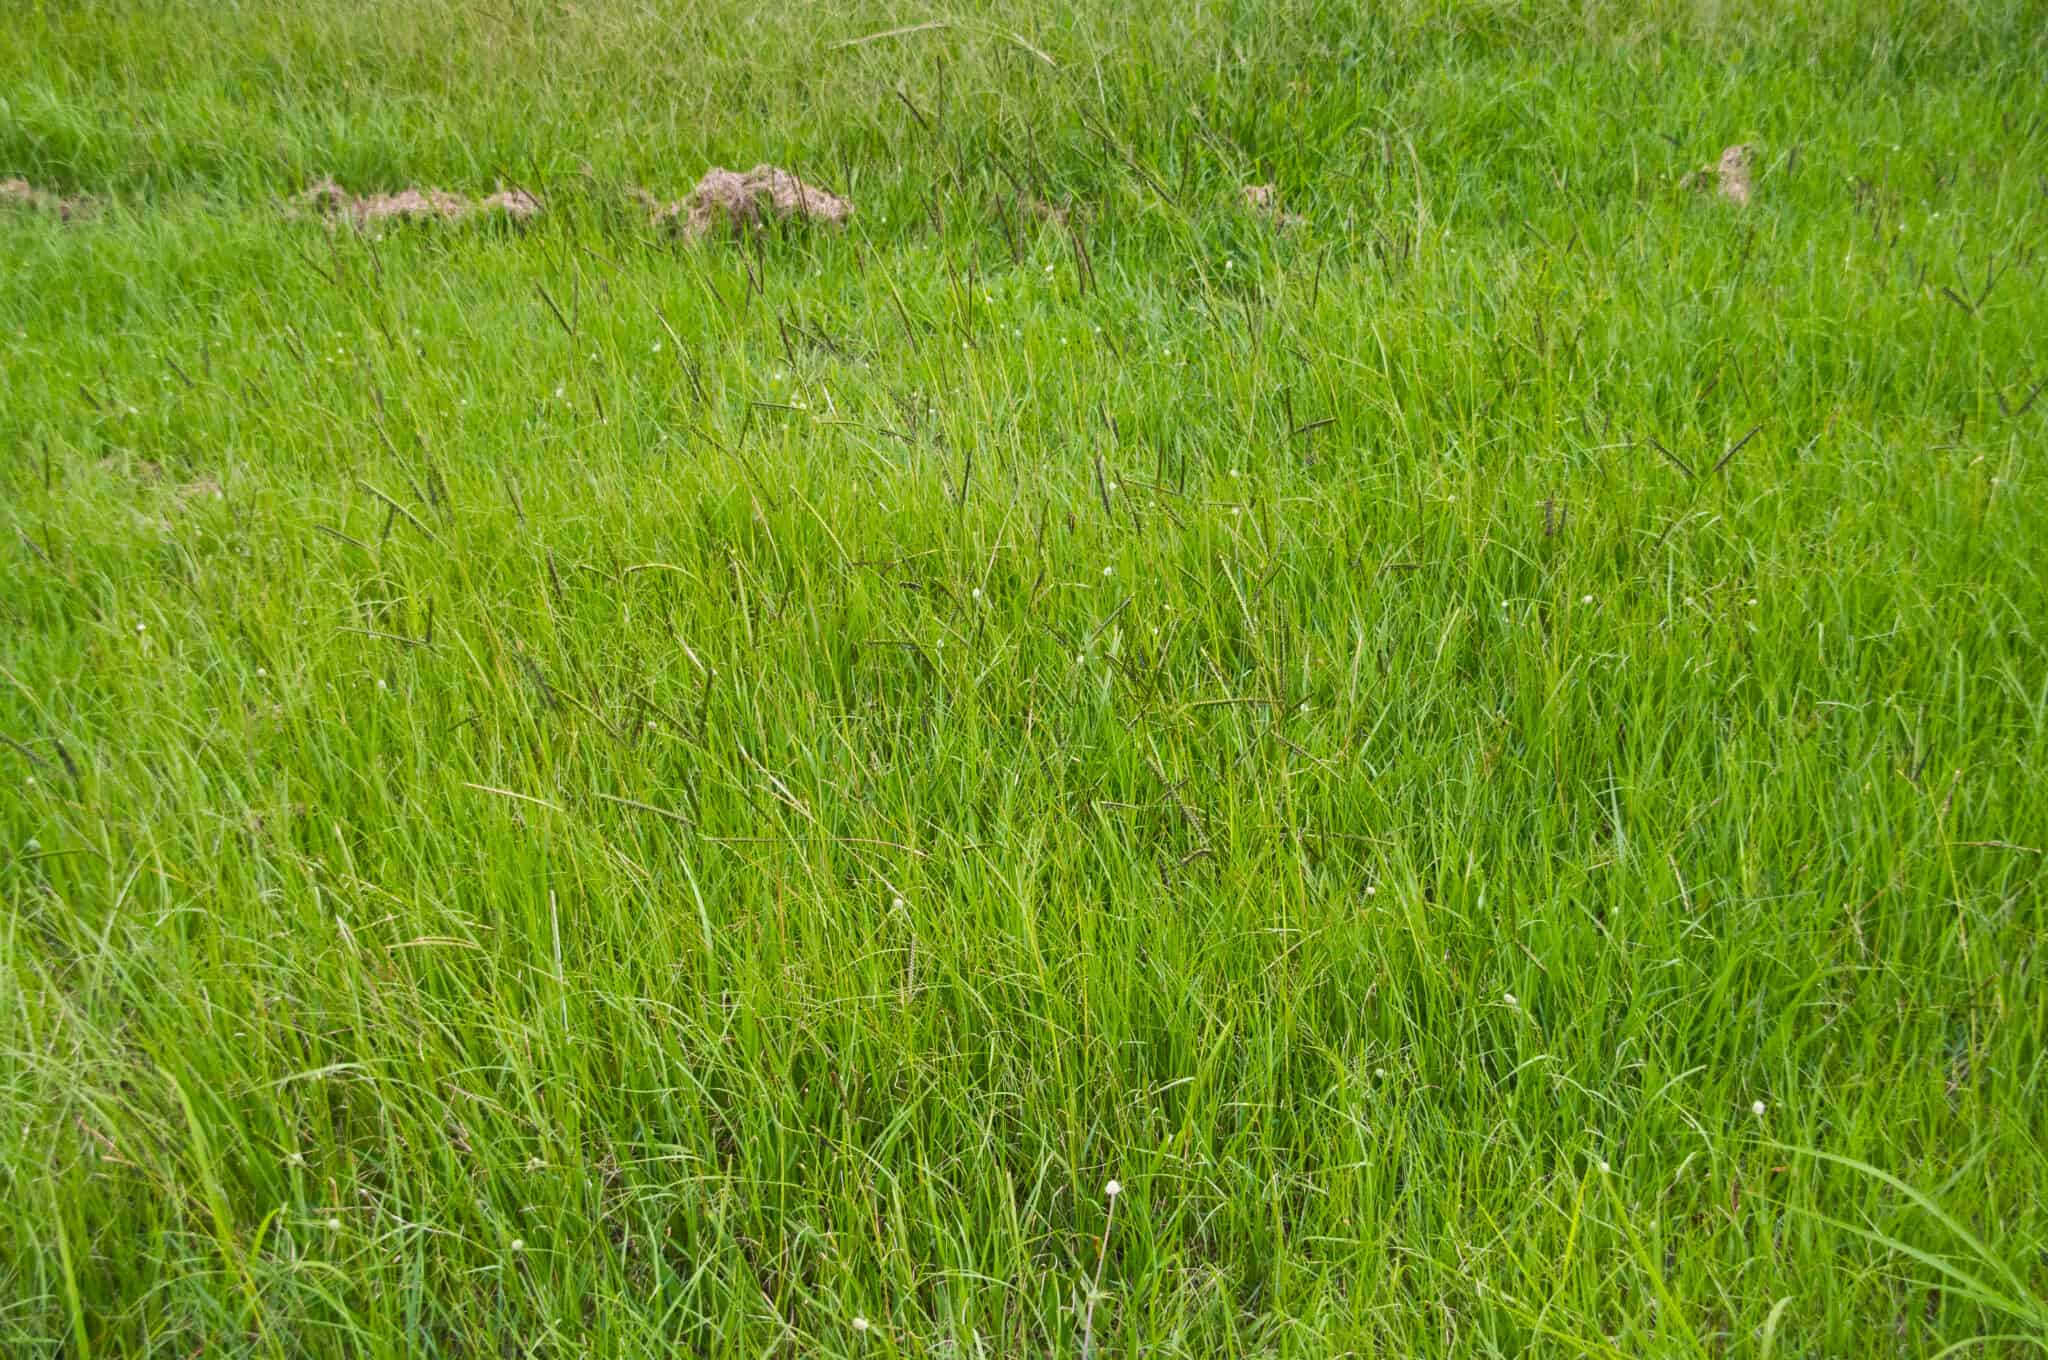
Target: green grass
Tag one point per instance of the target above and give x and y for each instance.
(682, 796)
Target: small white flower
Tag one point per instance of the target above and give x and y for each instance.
(1236, 510)
(1604, 1168)
(1109, 571)
(1372, 890)
(1752, 602)
(260, 672)
(1757, 1108)
(860, 1324)
(977, 592)
(1585, 599)
(560, 391)
(656, 349)
(1509, 997)
(1080, 658)
(1380, 1073)
(1113, 1189)
(535, 1164)
(896, 904)
(334, 1225)
(382, 685)
(518, 1244)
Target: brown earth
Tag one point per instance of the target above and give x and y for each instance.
(19, 193)
(1265, 198)
(744, 201)
(1729, 176)
(331, 201)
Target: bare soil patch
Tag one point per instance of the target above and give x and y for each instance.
(20, 194)
(329, 200)
(1265, 199)
(743, 202)
(1728, 176)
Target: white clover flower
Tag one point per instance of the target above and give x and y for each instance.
(1757, 1108)
(1509, 997)
(518, 1244)
(860, 1324)
(334, 1225)
(1113, 1189)
(1585, 599)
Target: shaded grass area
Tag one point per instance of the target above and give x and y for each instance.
(574, 793)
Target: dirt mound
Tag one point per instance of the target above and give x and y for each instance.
(742, 202)
(1729, 176)
(516, 204)
(1059, 214)
(333, 202)
(1265, 198)
(19, 193)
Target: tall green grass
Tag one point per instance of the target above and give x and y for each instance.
(1481, 756)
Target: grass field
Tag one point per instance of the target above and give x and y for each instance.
(1482, 755)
